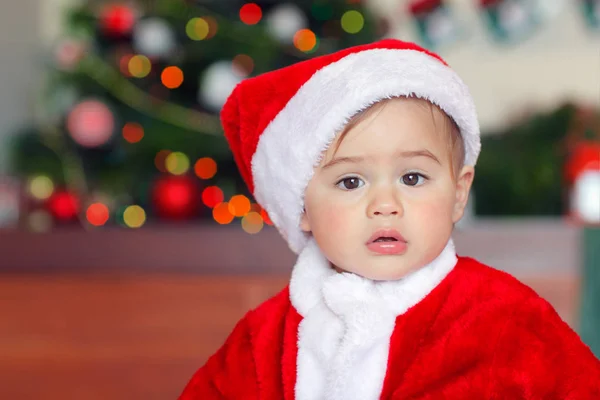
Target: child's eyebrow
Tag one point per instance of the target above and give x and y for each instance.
(404, 154)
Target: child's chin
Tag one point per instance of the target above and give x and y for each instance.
(381, 273)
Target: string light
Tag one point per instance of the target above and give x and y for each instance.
(134, 216)
(352, 21)
(221, 214)
(250, 14)
(239, 205)
(205, 168)
(139, 66)
(305, 40)
(212, 195)
(124, 64)
(252, 223)
(97, 214)
(177, 163)
(213, 26)
(133, 132)
(172, 77)
(159, 160)
(39, 221)
(197, 29)
(41, 187)
(243, 63)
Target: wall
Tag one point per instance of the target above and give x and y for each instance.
(560, 62)
(19, 66)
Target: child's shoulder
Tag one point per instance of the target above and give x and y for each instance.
(272, 311)
(498, 291)
(478, 277)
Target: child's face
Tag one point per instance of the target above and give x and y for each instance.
(391, 173)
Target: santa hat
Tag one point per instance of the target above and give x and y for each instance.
(279, 123)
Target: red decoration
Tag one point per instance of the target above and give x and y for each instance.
(117, 20)
(211, 196)
(584, 156)
(63, 205)
(489, 3)
(424, 6)
(176, 197)
(250, 13)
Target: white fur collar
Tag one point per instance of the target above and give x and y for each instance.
(344, 336)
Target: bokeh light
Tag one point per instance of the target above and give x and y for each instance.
(177, 163)
(221, 214)
(117, 19)
(124, 64)
(305, 40)
(352, 21)
(39, 221)
(213, 26)
(239, 205)
(41, 187)
(205, 168)
(212, 195)
(250, 13)
(160, 160)
(172, 77)
(197, 29)
(97, 214)
(63, 205)
(91, 123)
(252, 223)
(134, 216)
(139, 66)
(133, 132)
(244, 64)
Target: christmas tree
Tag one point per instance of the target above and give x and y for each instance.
(128, 128)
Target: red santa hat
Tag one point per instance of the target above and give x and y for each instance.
(279, 123)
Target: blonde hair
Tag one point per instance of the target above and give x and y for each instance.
(456, 145)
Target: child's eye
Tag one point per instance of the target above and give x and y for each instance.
(350, 183)
(413, 179)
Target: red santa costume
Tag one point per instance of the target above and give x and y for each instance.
(454, 329)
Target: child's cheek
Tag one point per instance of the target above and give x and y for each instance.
(334, 217)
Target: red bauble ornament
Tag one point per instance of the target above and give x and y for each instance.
(117, 20)
(63, 205)
(176, 197)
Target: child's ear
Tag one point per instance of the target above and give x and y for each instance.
(304, 223)
(463, 187)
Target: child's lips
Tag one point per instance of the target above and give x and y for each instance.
(387, 242)
(387, 248)
(387, 233)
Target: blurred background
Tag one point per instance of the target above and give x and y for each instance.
(129, 245)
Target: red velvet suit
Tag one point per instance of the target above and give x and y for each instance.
(480, 334)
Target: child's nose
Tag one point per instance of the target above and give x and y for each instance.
(384, 205)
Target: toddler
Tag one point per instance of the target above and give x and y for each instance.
(364, 160)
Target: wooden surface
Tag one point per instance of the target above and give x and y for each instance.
(520, 246)
(134, 336)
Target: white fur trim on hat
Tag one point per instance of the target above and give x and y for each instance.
(292, 144)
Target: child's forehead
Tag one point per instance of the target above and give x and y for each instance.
(393, 121)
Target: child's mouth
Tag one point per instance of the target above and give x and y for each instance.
(387, 242)
(385, 239)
